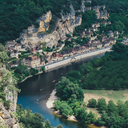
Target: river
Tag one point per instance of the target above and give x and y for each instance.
(30, 92)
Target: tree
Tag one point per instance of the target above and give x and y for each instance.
(43, 68)
(85, 118)
(33, 71)
(57, 104)
(126, 103)
(122, 109)
(3, 54)
(59, 126)
(92, 103)
(102, 106)
(68, 35)
(65, 89)
(73, 76)
(2, 48)
(112, 108)
(47, 124)
(65, 109)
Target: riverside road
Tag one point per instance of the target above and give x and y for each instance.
(74, 58)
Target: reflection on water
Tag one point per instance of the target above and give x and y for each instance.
(30, 92)
(92, 126)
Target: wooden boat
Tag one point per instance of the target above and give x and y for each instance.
(53, 81)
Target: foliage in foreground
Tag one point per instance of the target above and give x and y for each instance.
(32, 120)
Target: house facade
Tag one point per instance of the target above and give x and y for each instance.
(32, 61)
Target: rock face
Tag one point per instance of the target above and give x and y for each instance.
(7, 118)
(32, 36)
(101, 13)
(83, 6)
(44, 22)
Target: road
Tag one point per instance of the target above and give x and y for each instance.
(77, 57)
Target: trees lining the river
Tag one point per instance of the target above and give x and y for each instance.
(32, 120)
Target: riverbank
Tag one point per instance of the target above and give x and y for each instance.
(50, 105)
(68, 61)
(51, 100)
(74, 58)
(29, 77)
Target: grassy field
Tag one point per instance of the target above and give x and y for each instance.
(107, 94)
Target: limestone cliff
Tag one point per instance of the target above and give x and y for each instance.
(7, 117)
(101, 13)
(32, 36)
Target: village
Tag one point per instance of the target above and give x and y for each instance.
(36, 56)
(41, 54)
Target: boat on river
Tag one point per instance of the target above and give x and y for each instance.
(53, 81)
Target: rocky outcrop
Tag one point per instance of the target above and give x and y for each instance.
(32, 36)
(44, 22)
(83, 6)
(101, 13)
(7, 118)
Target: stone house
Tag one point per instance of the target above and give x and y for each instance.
(94, 29)
(42, 61)
(10, 44)
(88, 33)
(82, 34)
(110, 34)
(96, 25)
(109, 22)
(106, 43)
(14, 53)
(104, 38)
(39, 49)
(88, 8)
(92, 38)
(116, 34)
(109, 41)
(32, 61)
(33, 50)
(112, 40)
(104, 23)
(17, 47)
(9, 48)
(98, 45)
(88, 1)
(89, 42)
(95, 41)
(91, 46)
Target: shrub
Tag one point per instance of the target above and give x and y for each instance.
(92, 103)
(7, 104)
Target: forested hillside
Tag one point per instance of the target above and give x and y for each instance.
(16, 15)
(113, 6)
